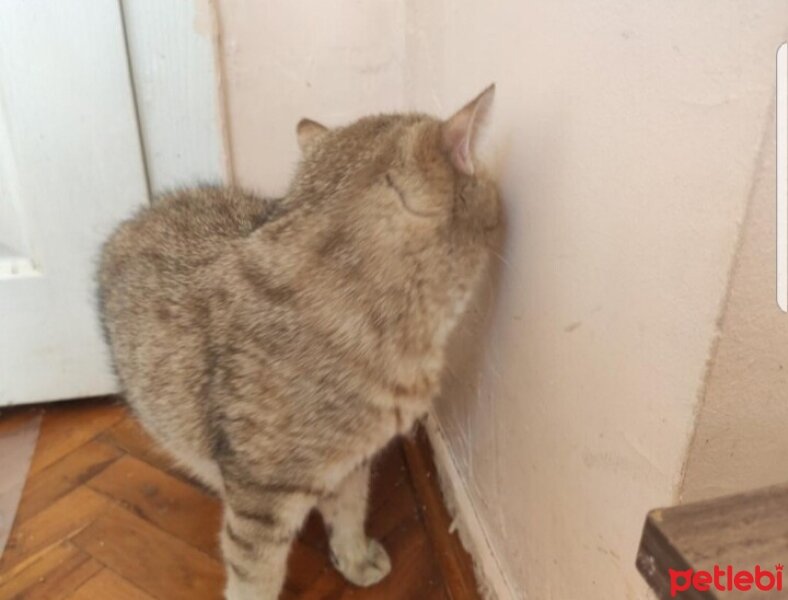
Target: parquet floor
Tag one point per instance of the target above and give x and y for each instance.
(105, 516)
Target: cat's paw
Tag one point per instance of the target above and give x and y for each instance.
(363, 565)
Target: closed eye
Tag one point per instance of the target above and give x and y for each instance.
(401, 194)
(395, 187)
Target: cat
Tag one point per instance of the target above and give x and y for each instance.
(273, 346)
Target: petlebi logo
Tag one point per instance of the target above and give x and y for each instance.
(726, 579)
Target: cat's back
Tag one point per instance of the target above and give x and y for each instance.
(149, 263)
(184, 229)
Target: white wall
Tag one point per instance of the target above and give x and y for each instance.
(287, 59)
(741, 440)
(626, 135)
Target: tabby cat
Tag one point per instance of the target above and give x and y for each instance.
(274, 346)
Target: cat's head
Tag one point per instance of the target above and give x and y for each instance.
(404, 188)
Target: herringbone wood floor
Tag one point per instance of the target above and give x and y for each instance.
(105, 516)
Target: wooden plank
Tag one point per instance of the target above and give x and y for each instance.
(129, 436)
(740, 531)
(313, 533)
(170, 504)
(107, 585)
(53, 575)
(140, 554)
(56, 523)
(14, 417)
(172, 52)
(455, 562)
(389, 473)
(158, 563)
(305, 565)
(63, 476)
(401, 506)
(66, 427)
(329, 586)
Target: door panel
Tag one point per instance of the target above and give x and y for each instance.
(71, 168)
(175, 72)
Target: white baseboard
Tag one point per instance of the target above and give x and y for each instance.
(492, 580)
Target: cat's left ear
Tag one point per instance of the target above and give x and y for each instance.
(460, 131)
(309, 132)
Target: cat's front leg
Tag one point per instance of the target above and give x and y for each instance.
(363, 561)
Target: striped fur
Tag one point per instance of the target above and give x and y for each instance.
(274, 345)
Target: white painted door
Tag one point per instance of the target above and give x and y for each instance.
(71, 167)
(72, 147)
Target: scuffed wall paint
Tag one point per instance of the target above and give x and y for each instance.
(625, 134)
(741, 440)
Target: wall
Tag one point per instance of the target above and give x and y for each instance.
(626, 136)
(742, 429)
(284, 60)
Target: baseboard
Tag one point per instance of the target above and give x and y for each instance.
(455, 564)
(489, 574)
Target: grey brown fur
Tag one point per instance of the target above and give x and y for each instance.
(274, 346)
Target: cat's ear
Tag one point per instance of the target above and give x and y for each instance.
(460, 130)
(309, 132)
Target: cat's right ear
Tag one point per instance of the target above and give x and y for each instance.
(309, 132)
(460, 130)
